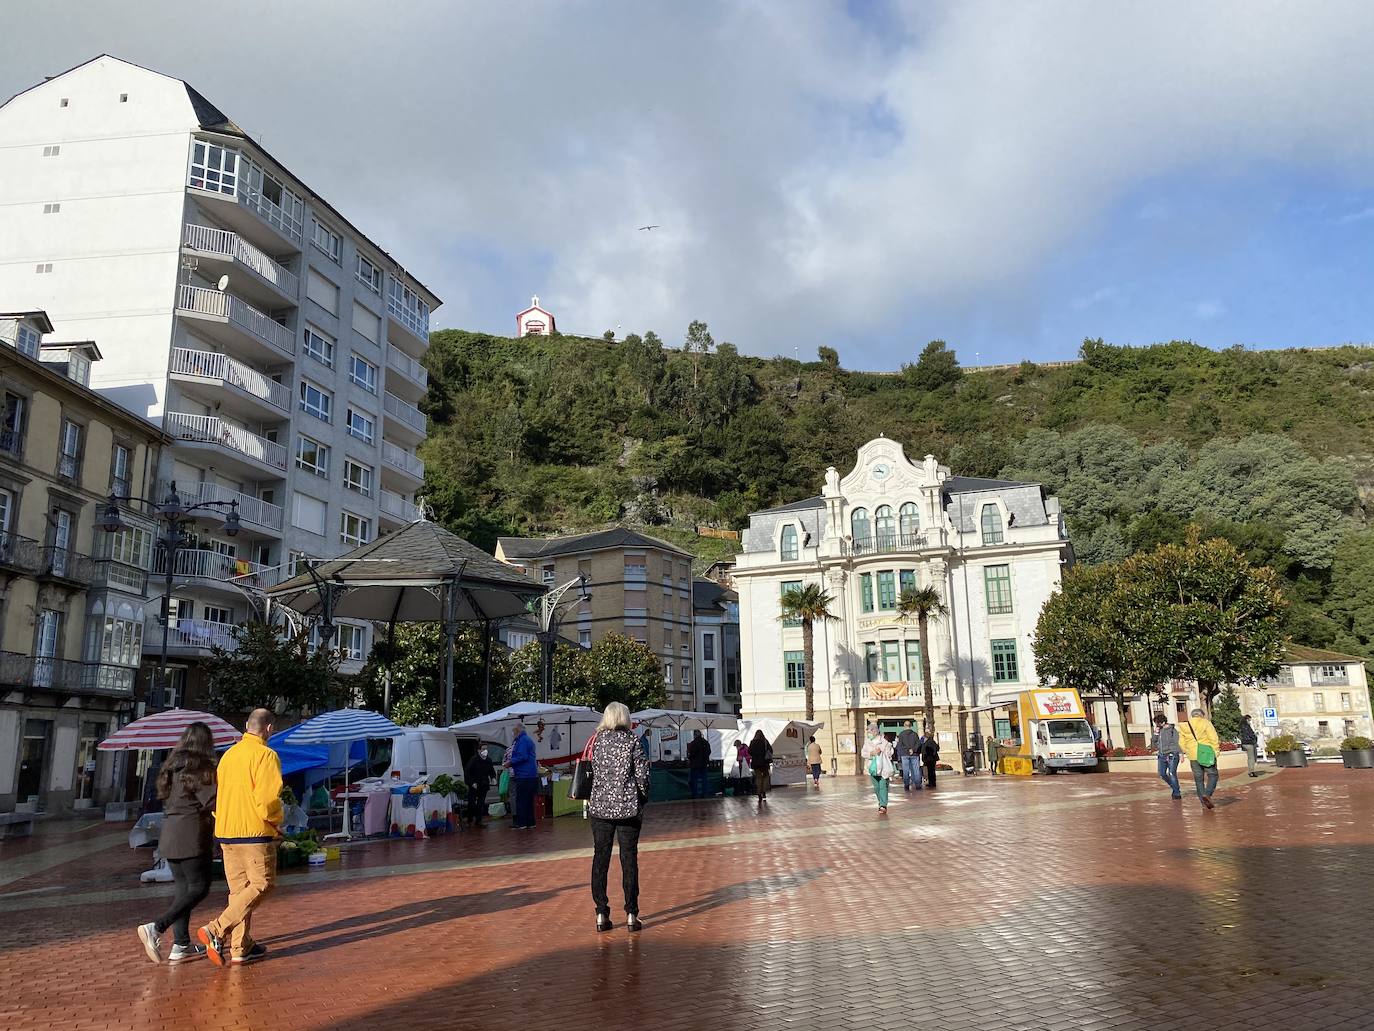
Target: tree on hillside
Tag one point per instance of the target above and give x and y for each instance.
(275, 668)
(936, 369)
(808, 605)
(828, 356)
(925, 604)
(644, 361)
(697, 343)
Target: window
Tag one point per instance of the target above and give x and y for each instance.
(218, 614)
(884, 526)
(870, 661)
(865, 592)
(686, 676)
(121, 641)
(326, 240)
(1346, 705)
(791, 585)
(308, 513)
(997, 588)
(708, 680)
(69, 451)
(124, 98)
(43, 268)
(358, 477)
(892, 661)
(1004, 668)
(12, 424)
(63, 102)
(1271, 701)
(1323, 728)
(405, 305)
(1318, 702)
(312, 456)
(51, 152)
(992, 525)
(906, 581)
(29, 341)
(214, 168)
(708, 648)
(909, 520)
(322, 292)
(369, 275)
(795, 665)
(1349, 728)
(316, 400)
(319, 346)
(352, 640)
(354, 530)
(789, 543)
(858, 526)
(668, 673)
(52, 209)
(362, 373)
(366, 323)
(119, 470)
(548, 573)
(1283, 676)
(887, 590)
(913, 663)
(132, 545)
(584, 638)
(362, 426)
(1331, 675)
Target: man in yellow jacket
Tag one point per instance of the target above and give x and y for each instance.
(1194, 733)
(248, 820)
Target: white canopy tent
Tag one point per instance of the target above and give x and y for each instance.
(788, 738)
(560, 732)
(668, 730)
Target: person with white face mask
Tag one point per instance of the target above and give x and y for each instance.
(479, 774)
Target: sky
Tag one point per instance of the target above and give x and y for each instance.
(1008, 177)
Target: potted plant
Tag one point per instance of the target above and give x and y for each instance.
(1357, 753)
(1286, 750)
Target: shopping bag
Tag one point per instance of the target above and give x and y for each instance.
(580, 787)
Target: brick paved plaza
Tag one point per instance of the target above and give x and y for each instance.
(1070, 902)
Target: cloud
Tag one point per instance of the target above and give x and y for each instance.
(818, 175)
(1099, 296)
(1356, 216)
(1209, 309)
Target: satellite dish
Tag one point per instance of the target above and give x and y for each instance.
(223, 283)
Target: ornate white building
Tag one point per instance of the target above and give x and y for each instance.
(993, 549)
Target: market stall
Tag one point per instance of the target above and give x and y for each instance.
(788, 739)
(665, 735)
(343, 727)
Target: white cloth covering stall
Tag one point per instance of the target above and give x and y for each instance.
(788, 738)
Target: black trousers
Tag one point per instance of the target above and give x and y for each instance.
(192, 880)
(606, 833)
(930, 774)
(477, 802)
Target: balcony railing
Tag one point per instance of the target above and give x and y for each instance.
(109, 573)
(406, 365)
(405, 411)
(69, 468)
(228, 372)
(395, 505)
(206, 564)
(890, 692)
(405, 306)
(191, 633)
(211, 429)
(251, 509)
(30, 556)
(883, 543)
(204, 301)
(236, 248)
(27, 671)
(400, 458)
(12, 443)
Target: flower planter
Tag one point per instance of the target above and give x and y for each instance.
(1358, 759)
(1294, 758)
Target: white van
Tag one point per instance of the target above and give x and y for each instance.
(416, 754)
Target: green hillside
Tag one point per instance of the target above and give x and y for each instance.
(1271, 449)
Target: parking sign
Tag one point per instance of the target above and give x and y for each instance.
(1271, 717)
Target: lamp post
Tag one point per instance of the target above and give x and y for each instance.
(173, 518)
(548, 632)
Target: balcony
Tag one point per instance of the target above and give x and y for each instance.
(245, 194)
(245, 389)
(120, 576)
(69, 468)
(24, 555)
(412, 379)
(12, 443)
(190, 637)
(217, 568)
(253, 512)
(251, 452)
(891, 692)
(884, 543)
(407, 420)
(252, 270)
(408, 324)
(396, 509)
(18, 670)
(398, 464)
(235, 323)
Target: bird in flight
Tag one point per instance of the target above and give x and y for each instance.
(642, 228)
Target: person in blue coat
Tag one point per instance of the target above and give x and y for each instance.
(524, 773)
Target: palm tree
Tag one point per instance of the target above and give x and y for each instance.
(924, 603)
(807, 604)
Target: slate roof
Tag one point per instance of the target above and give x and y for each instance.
(805, 505)
(599, 540)
(1300, 655)
(708, 595)
(969, 484)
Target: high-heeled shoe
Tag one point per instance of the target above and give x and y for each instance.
(603, 922)
(632, 922)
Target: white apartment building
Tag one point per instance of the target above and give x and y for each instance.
(274, 342)
(993, 549)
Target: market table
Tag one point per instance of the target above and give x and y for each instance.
(420, 815)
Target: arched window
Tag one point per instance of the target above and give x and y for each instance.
(885, 526)
(909, 521)
(992, 525)
(858, 526)
(789, 543)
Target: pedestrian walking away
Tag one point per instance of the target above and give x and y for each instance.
(813, 759)
(698, 759)
(186, 785)
(992, 754)
(908, 751)
(1249, 741)
(877, 755)
(930, 755)
(761, 761)
(248, 819)
(479, 774)
(620, 788)
(524, 773)
(1165, 743)
(1199, 741)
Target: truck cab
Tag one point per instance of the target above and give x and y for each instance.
(1054, 731)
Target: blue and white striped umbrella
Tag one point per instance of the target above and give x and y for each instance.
(344, 725)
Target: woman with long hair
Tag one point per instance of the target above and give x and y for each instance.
(761, 762)
(186, 785)
(877, 753)
(620, 787)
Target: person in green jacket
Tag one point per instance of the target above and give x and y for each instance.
(1197, 736)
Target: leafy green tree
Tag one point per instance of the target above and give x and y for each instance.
(808, 605)
(1226, 714)
(936, 369)
(829, 357)
(697, 343)
(615, 668)
(416, 666)
(1350, 604)
(925, 604)
(276, 669)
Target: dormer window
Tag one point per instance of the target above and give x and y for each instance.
(992, 525)
(789, 543)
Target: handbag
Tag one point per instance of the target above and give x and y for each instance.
(1206, 754)
(580, 787)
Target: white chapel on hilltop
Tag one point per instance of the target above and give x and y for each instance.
(535, 321)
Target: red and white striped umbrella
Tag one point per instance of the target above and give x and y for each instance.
(164, 730)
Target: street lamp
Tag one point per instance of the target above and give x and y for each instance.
(549, 619)
(174, 517)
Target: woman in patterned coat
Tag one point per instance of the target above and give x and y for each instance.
(620, 787)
